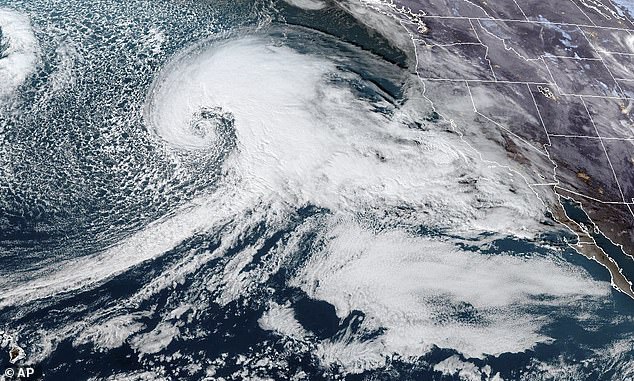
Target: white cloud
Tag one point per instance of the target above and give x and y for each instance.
(416, 287)
(312, 5)
(281, 319)
(22, 53)
(304, 139)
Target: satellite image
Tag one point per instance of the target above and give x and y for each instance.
(317, 190)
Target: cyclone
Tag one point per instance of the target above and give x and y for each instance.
(288, 125)
(310, 129)
(287, 202)
(302, 115)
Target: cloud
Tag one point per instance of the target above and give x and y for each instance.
(22, 52)
(427, 292)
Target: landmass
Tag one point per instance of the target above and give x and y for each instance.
(553, 86)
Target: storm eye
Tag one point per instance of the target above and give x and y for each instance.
(209, 123)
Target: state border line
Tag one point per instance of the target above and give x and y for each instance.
(438, 79)
(628, 204)
(521, 10)
(486, 51)
(553, 84)
(602, 60)
(616, 178)
(528, 21)
(590, 137)
(584, 13)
